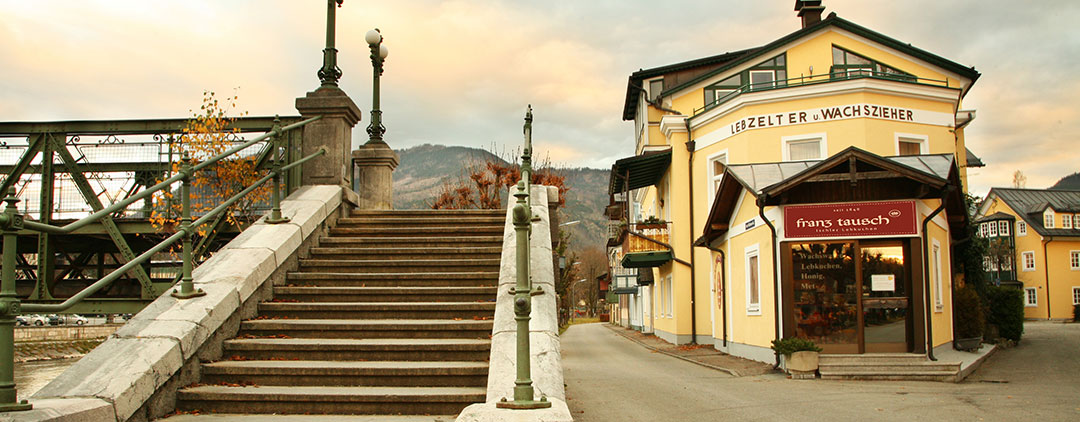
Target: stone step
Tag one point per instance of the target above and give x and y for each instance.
(358, 349)
(332, 400)
(426, 221)
(391, 253)
(887, 367)
(905, 376)
(398, 266)
(419, 233)
(399, 241)
(873, 357)
(368, 328)
(441, 279)
(378, 310)
(346, 373)
(386, 294)
(226, 417)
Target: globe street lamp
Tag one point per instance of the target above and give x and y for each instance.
(379, 52)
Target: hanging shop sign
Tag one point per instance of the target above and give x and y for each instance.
(851, 219)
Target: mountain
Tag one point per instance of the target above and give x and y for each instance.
(1071, 181)
(424, 169)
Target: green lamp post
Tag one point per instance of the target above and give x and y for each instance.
(329, 73)
(379, 52)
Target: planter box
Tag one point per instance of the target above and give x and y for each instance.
(801, 365)
(967, 343)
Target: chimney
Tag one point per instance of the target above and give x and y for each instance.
(810, 11)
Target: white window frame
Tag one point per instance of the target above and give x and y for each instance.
(1076, 221)
(1021, 228)
(823, 144)
(1066, 221)
(1003, 227)
(993, 228)
(1076, 295)
(1048, 218)
(753, 251)
(652, 96)
(750, 79)
(1074, 260)
(922, 140)
(982, 230)
(1006, 264)
(1031, 297)
(671, 295)
(939, 300)
(1028, 257)
(986, 263)
(714, 179)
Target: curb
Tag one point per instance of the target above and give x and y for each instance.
(965, 372)
(718, 368)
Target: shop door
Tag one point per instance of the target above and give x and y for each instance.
(885, 312)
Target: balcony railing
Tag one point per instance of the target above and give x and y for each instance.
(818, 79)
(658, 232)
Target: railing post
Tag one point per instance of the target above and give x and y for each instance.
(9, 307)
(187, 287)
(275, 190)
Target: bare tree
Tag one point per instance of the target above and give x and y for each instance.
(1019, 180)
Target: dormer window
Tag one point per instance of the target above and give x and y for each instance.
(1066, 221)
(993, 229)
(1003, 228)
(847, 64)
(1048, 218)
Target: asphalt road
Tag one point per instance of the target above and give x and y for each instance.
(610, 378)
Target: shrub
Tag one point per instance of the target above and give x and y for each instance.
(1006, 311)
(791, 345)
(969, 313)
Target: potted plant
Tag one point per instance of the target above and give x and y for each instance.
(969, 319)
(650, 223)
(800, 356)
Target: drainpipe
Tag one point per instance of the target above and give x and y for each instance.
(1046, 272)
(723, 288)
(690, 146)
(926, 277)
(776, 292)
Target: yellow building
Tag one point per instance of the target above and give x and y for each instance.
(1042, 228)
(809, 187)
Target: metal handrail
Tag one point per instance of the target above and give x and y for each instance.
(11, 222)
(853, 73)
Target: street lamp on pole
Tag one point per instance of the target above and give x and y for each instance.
(379, 52)
(329, 73)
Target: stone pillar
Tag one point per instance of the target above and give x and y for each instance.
(374, 164)
(334, 131)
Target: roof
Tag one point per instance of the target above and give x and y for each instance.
(731, 60)
(899, 177)
(972, 160)
(1029, 204)
(643, 170)
(757, 177)
(996, 216)
(634, 86)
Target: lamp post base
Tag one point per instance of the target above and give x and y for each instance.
(16, 407)
(194, 293)
(524, 404)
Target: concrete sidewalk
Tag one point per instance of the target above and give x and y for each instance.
(700, 354)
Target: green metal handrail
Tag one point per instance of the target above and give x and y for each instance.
(11, 223)
(523, 291)
(852, 73)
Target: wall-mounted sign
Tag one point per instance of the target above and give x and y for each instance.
(883, 282)
(851, 219)
(750, 224)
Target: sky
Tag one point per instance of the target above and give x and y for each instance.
(461, 72)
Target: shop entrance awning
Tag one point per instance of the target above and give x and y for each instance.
(639, 171)
(646, 259)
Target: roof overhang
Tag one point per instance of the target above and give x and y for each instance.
(646, 259)
(639, 171)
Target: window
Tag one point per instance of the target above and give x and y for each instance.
(765, 75)
(661, 300)
(1003, 228)
(716, 172)
(1029, 260)
(1076, 295)
(1048, 218)
(986, 263)
(1076, 220)
(804, 147)
(762, 79)
(1066, 221)
(722, 89)
(656, 86)
(1021, 228)
(982, 230)
(1031, 297)
(1006, 263)
(847, 64)
(753, 282)
(670, 305)
(993, 228)
(939, 302)
(1074, 260)
(911, 144)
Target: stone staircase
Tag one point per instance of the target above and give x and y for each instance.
(391, 314)
(887, 366)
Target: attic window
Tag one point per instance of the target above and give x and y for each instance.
(1048, 218)
(847, 64)
(656, 86)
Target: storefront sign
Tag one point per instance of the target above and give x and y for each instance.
(883, 282)
(852, 219)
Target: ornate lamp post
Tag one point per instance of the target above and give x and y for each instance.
(330, 72)
(379, 52)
